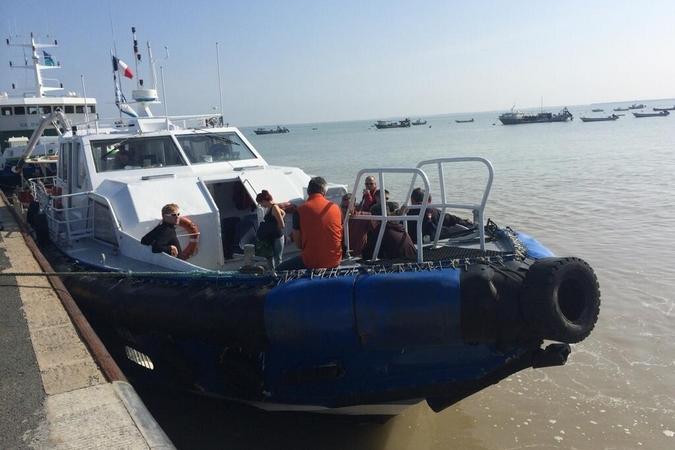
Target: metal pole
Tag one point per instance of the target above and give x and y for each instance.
(220, 89)
(166, 108)
(86, 106)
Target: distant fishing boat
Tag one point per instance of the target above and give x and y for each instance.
(464, 120)
(277, 130)
(672, 108)
(383, 124)
(597, 110)
(620, 109)
(654, 114)
(419, 122)
(637, 106)
(517, 117)
(600, 119)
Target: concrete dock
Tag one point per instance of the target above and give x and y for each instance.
(58, 386)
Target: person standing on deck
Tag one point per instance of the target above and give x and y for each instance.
(163, 238)
(317, 231)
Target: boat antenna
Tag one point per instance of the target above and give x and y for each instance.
(166, 108)
(86, 107)
(137, 58)
(220, 89)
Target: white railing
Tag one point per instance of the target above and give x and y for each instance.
(384, 217)
(62, 218)
(478, 209)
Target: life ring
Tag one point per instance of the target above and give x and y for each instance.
(193, 231)
(560, 299)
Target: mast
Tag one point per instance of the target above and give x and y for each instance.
(40, 88)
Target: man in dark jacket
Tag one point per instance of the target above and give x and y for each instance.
(432, 218)
(163, 238)
(396, 244)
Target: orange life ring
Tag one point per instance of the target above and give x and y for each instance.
(193, 231)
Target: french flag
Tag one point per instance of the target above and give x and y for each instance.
(121, 66)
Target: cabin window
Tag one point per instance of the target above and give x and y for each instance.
(6, 111)
(92, 109)
(19, 110)
(64, 160)
(79, 165)
(202, 148)
(103, 224)
(135, 153)
(79, 109)
(32, 110)
(45, 109)
(69, 109)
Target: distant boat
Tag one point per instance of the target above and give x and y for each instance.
(654, 114)
(620, 109)
(597, 110)
(419, 122)
(599, 119)
(383, 124)
(637, 106)
(464, 121)
(277, 130)
(672, 108)
(517, 117)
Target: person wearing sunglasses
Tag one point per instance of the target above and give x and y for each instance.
(163, 238)
(368, 198)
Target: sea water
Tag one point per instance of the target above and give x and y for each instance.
(602, 191)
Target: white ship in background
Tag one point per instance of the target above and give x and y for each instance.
(20, 114)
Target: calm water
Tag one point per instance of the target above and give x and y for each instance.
(603, 191)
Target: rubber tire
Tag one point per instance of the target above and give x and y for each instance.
(560, 299)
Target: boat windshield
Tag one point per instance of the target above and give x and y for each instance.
(204, 148)
(135, 153)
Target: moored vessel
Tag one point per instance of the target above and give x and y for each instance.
(517, 117)
(277, 130)
(654, 114)
(600, 119)
(383, 124)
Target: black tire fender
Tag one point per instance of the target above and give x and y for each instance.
(560, 299)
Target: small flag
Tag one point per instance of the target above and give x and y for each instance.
(49, 61)
(121, 66)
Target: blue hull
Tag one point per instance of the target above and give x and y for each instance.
(357, 338)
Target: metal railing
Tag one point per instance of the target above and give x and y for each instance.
(63, 218)
(385, 217)
(478, 210)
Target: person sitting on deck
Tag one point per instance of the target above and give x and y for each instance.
(396, 244)
(317, 231)
(163, 238)
(368, 198)
(451, 224)
(393, 206)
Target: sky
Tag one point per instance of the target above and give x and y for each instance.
(317, 61)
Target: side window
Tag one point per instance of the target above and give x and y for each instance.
(69, 109)
(79, 165)
(64, 160)
(6, 110)
(79, 109)
(32, 110)
(45, 109)
(92, 109)
(19, 110)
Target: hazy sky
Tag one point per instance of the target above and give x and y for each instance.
(312, 61)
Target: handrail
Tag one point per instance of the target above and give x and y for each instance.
(384, 217)
(478, 210)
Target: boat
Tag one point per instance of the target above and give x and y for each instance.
(20, 114)
(383, 124)
(621, 109)
(419, 122)
(600, 119)
(277, 130)
(654, 114)
(517, 117)
(672, 108)
(597, 110)
(637, 106)
(464, 121)
(370, 337)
